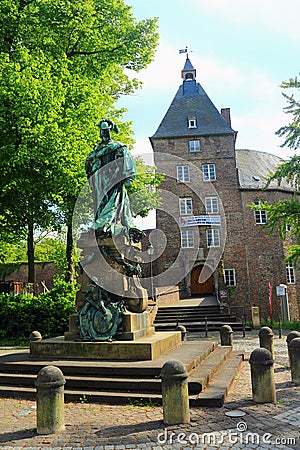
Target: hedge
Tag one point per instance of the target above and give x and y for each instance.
(48, 313)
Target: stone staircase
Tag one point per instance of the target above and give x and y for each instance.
(211, 369)
(196, 318)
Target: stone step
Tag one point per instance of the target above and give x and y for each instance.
(76, 368)
(194, 318)
(217, 389)
(200, 326)
(191, 310)
(204, 361)
(83, 384)
(204, 373)
(115, 398)
(190, 353)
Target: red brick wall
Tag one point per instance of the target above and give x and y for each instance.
(44, 272)
(257, 259)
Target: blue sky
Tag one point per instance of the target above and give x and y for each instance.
(242, 51)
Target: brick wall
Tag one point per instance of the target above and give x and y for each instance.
(44, 271)
(256, 258)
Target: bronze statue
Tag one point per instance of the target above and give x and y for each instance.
(110, 168)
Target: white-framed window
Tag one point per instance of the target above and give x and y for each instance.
(290, 274)
(212, 237)
(288, 228)
(185, 206)
(194, 146)
(187, 238)
(229, 277)
(260, 214)
(192, 122)
(209, 172)
(183, 174)
(211, 205)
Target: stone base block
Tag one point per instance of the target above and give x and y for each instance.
(145, 348)
(134, 326)
(73, 332)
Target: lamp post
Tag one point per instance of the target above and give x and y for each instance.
(150, 251)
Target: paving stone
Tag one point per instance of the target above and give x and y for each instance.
(120, 427)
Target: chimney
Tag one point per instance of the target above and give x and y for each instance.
(226, 115)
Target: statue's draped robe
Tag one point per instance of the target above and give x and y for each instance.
(110, 168)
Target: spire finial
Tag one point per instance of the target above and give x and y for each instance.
(188, 73)
(184, 50)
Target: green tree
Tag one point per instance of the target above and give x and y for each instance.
(291, 132)
(143, 194)
(284, 215)
(63, 66)
(12, 252)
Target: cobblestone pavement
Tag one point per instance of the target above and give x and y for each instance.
(112, 427)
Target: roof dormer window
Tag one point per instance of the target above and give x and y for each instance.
(192, 122)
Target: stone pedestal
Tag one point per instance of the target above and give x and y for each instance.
(133, 326)
(73, 333)
(105, 282)
(110, 272)
(141, 349)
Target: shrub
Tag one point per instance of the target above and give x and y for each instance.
(294, 325)
(48, 313)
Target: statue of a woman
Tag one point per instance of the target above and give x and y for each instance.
(110, 168)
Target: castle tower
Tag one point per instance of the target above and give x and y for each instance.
(214, 241)
(198, 147)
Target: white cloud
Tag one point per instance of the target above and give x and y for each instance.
(212, 73)
(164, 71)
(143, 148)
(277, 16)
(252, 94)
(256, 131)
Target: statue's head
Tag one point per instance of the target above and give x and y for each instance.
(105, 125)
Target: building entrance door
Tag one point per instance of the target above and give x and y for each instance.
(197, 287)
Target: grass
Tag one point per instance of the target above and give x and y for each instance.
(14, 342)
(141, 403)
(294, 325)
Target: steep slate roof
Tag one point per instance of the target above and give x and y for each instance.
(254, 167)
(191, 101)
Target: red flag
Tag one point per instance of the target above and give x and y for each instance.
(271, 300)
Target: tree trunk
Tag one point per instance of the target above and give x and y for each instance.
(69, 253)
(30, 253)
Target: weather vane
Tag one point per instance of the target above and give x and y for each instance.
(184, 50)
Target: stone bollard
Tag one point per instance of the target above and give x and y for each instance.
(266, 339)
(183, 331)
(262, 376)
(226, 335)
(294, 354)
(292, 335)
(175, 397)
(50, 400)
(35, 336)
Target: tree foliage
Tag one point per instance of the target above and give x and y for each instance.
(62, 67)
(291, 132)
(284, 215)
(143, 194)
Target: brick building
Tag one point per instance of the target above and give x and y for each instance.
(214, 241)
